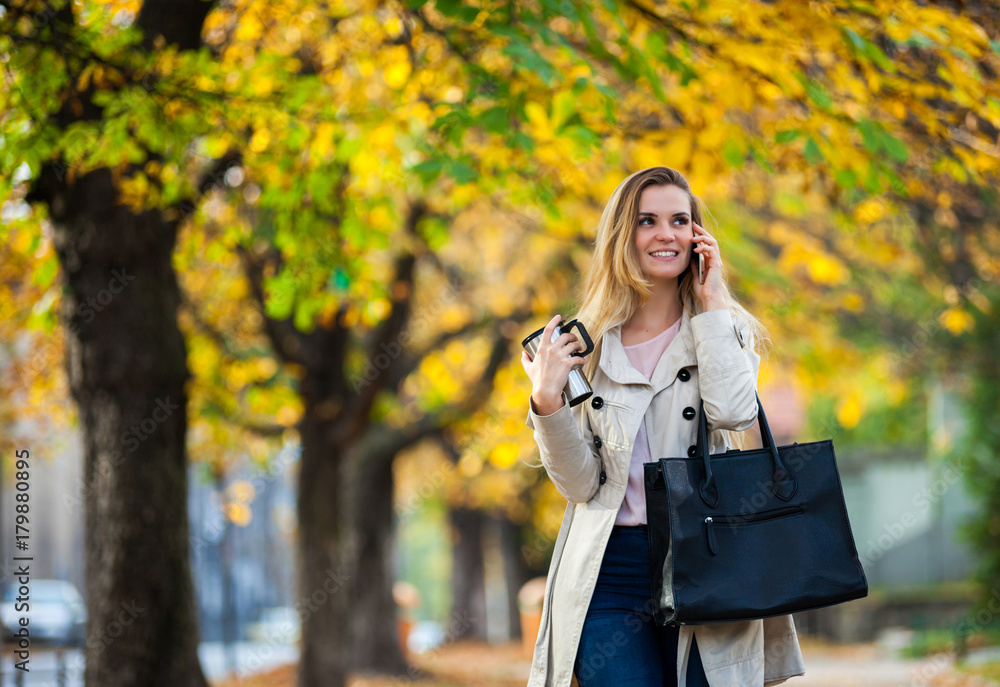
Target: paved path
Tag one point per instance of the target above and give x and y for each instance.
(507, 665)
(869, 665)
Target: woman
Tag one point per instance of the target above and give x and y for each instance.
(663, 341)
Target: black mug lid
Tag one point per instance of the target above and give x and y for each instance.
(538, 332)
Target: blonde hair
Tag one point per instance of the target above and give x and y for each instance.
(616, 287)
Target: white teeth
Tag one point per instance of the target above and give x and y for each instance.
(664, 253)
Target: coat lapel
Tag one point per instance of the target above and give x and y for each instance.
(680, 353)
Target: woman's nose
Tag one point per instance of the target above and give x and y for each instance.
(665, 232)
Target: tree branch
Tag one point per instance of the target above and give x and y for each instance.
(285, 338)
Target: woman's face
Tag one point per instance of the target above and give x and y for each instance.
(664, 225)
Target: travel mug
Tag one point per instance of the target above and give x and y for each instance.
(577, 389)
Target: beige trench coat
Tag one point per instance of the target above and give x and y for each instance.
(723, 368)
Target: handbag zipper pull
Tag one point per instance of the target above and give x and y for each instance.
(712, 544)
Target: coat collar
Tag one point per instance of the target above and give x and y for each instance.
(680, 353)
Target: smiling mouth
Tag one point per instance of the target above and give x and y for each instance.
(665, 254)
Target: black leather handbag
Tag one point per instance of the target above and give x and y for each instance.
(749, 534)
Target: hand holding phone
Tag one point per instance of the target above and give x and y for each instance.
(701, 258)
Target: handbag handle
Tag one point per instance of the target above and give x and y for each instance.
(783, 485)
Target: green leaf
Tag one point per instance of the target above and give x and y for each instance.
(609, 92)
(845, 178)
(563, 107)
(896, 183)
(870, 135)
(961, 53)
(339, 280)
(812, 152)
(47, 271)
(871, 182)
(732, 153)
(522, 141)
(675, 64)
(656, 45)
(875, 54)
(495, 120)
(761, 159)
(455, 10)
(612, 8)
(529, 60)
(895, 147)
(815, 91)
(461, 172)
(347, 148)
(103, 98)
(435, 232)
(280, 295)
(428, 170)
(856, 41)
(787, 136)
(586, 138)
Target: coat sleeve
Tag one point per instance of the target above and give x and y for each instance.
(566, 447)
(727, 370)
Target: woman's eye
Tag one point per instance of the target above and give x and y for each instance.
(682, 220)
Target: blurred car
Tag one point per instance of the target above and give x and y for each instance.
(56, 613)
(275, 625)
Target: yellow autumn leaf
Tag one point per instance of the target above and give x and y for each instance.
(248, 28)
(823, 270)
(288, 415)
(263, 85)
(241, 490)
(238, 513)
(870, 211)
(380, 218)
(378, 309)
(541, 126)
(849, 411)
(504, 455)
(956, 320)
(397, 73)
(260, 140)
(853, 302)
(322, 143)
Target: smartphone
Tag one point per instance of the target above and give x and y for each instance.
(701, 260)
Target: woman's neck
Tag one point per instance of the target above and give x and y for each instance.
(658, 313)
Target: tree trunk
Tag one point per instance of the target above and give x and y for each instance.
(515, 572)
(127, 367)
(323, 575)
(468, 581)
(374, 635)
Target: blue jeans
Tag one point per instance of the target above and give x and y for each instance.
(621, 644)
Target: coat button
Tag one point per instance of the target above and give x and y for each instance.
(684, 375)
(597, 402)
(692, 450)
(604, 477)
(688, 413)
(597, 442)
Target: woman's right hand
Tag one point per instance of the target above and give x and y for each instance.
(549, 369)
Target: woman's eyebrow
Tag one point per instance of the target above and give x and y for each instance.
(653, 214)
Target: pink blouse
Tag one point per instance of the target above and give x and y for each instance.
(644, 357)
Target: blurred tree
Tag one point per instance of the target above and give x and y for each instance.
(124, 353)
